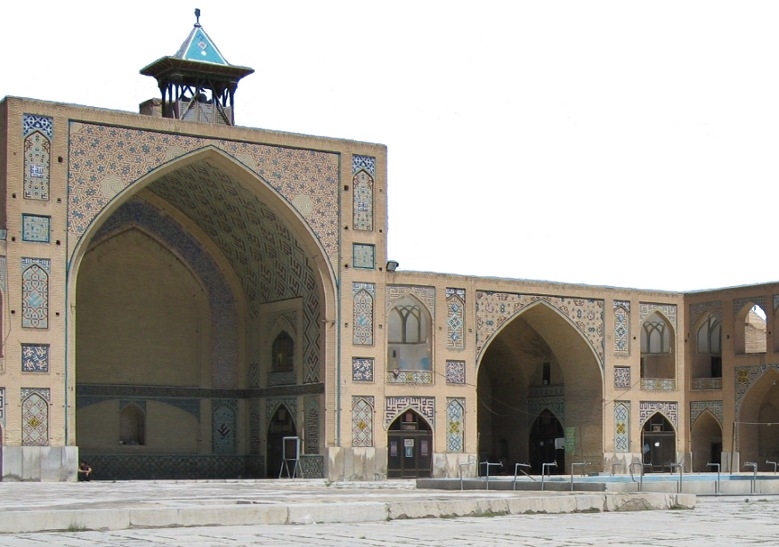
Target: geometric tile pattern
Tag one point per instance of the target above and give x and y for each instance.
(409, 377)
(670, 410)
(35, 416)
(363, 256)
(35, 293)
(363, 201)
(36, 228)
(254, 426)
(776, 301)
(2, 405)
(744, 378)
(622, 426)
(455, 304)
(710, 308)
(455, 372)
(645, 309)
(257, 241)
(739, 303)
(362, 421)
(224, 423)
(424, 294)
(142, 214)
(37, 132)
(35, 358)
(699, 407)
(364, 163)
(494, 309)
(3, 272)
(555, 405)
(272, 404)
(622, 326)
(312, 415)
(455, 424)
(364, 294)
(394, 406)
(362, 369)
(622, 377)
(295, 174)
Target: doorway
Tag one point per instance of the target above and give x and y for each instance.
(410, 443)
(281, 425)
(658, 444)
(547, 443)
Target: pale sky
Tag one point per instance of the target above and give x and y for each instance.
(630, 144)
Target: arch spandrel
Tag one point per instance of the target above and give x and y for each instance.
(495, 310)
(300, 177)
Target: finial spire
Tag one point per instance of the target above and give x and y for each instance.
(197, 17)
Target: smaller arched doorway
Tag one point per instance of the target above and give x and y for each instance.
(281, 425)
(410, 442)
(658, 444)
(547, 444)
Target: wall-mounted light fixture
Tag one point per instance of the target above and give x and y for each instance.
(392, 265)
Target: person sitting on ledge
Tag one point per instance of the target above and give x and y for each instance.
(84, 471)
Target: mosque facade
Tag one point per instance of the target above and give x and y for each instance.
(181, 297)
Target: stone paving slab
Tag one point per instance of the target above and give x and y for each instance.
(35, 507)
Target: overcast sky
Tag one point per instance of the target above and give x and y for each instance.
(630, 144)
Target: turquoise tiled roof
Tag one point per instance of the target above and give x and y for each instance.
(199, 47)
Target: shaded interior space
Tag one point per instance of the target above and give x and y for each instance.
(706, 443)
(409, 335)
(410, 447)
(658, 359)
(758, 425)
(707, 358)
(750, 332)
(539, 390)
(195, 301)
(282, 425)
(658, 442)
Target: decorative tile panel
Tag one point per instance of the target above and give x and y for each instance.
(35, 416)
(364, 295)
(494, 309)
(409, 377)
(426, 295)
(555, 405)
(255, 424)
(745, 377)
(304, 177)
(622, 426)
(362, 369)
(645, 309)
(394, 406)
(455, 424)
(739, 303)
(670, 410)
(622, 378)
(707, 308)
(224, 423)
(2, 405)
(3, 275)
(658, 384)
(622, 327)
(36, 228)
(363, 256)
(253, 375)
(362, 421)
(455, 372)
(455, 323)
(312, 425)
(699, 407)
(363, 175)
(35, 358)
(35, 293)
(37, 131)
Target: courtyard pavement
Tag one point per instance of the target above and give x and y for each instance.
(345, 514)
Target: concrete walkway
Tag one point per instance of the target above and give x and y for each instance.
(36, 507)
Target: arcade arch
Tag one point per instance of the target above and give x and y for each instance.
(172, 282)
(706, 442)
(539, 366)
(758, 421)
(410, 447)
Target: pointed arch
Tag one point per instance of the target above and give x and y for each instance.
(707, 356)
(749, 324)
(132, 425)
(658, 355)
(705, 441)
(409, 336)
